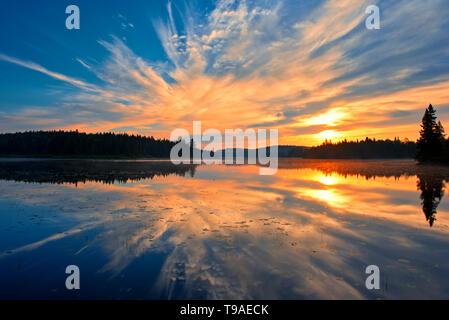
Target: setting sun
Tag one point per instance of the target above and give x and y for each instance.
(329, 135)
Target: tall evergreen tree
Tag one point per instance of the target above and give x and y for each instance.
(430, 145)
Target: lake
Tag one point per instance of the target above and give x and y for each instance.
(152, 230)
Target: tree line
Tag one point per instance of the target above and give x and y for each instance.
(76, 144)
(364, 149)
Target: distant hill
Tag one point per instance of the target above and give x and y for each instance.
(283, 151)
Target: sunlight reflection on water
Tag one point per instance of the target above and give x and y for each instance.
(226, 232)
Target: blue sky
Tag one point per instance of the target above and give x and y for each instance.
(308, 68)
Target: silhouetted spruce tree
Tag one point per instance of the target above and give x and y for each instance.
(430, 145)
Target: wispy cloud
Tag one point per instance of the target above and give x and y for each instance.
(83, 63)
(55, 75)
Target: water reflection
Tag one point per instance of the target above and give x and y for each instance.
(432, 191)
(82, 171)
(227, 232)
(430, 179)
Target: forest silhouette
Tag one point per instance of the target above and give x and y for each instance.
(77, 145)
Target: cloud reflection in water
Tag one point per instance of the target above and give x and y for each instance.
(226, 232)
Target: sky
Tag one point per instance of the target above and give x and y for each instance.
(309, 68)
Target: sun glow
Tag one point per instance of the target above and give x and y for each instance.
(328, 180)
(329, 135)
(330, 118)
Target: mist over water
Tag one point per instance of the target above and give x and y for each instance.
(141, 230)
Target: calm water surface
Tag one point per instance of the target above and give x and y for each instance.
(224, 232)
